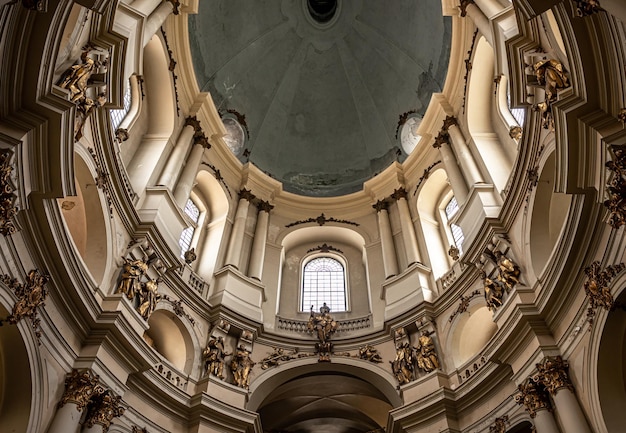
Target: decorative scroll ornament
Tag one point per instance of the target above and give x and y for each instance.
(31, 295)
(533, 396)
(616, 188)
(321, 220)
(464, 302)
(425, 175)
(276, 357)
(79, 387)
(177, 307)
(324, 326)
(585, 8)
(370, 353)
(499, 425)
(553, 374)
(241, 366)
(402, 120)
(596, 287)
(325, 248)
(104, 406)
(213, 357)
(7, 195)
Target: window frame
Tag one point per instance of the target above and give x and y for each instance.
(316, 255)
(447, 222)
(195, 235)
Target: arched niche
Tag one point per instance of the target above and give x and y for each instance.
(548, 216)
(86, 218)
(210, 191)
(299, 244)
(480, 115)
(169, 337)
(607, 357)
(160, 114)
(305, 393)
(470, 332)
(15, 380)
(428, 201)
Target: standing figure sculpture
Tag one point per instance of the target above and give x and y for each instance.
(148, 298)
(426, 354)
(324, 326)
(129, 283)
(77, 77)
(213, 357)
(240, 366)
(402, 365)
(550, 74)
(493, 292)
(509, 270)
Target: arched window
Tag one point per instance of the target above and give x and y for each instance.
(324, 280)
(192, 212)
(457, 233)
(118, 115)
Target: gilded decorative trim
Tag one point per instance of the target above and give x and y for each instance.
(277, 356)
(324, 248)
(584, 8)
(104, 406)
(79, 388)
(621, 116)
(499, 424)
(30, 296)
(402, 120)
(616, 187)
(553, 374)
(241, 119)
(533, 396)
(596, 287)
(8, 209)
(321, 220)
(464, 302)
(171, 67)
(177, 307)
(218, 176)
(425, 175)
(468, 62)
(399, 194)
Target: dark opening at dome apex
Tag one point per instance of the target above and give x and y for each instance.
(322, 11)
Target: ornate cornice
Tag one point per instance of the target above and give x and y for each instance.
(533, 396)
(553, 374)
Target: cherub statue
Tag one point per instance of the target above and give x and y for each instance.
(426, 354)
(213, 357)
(129, 283)
(509, 270)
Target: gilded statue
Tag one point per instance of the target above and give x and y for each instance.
(402, 365)
(370, 353)
(129, 283)
(323, 323)
(550, 74)
(493, 292)
(76, 78)
(240, 366)
(426, 354)
(273, 359)
(213, 357)
(509, 270)
(148, 298)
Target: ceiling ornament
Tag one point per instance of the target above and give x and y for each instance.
(370, 353)
(321, 220)
(8, 209)
(533, 396)
(597, 287)
(616, 187)
(402, 120)
(325, 248)
(464, 302)
(30, 296)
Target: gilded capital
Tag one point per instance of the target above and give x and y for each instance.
(194, 122)
(201, 139)
(79, 388)
(441, 139)
(264, 206)
(533, 396)
(103, 408)
(399, 193)
(449, 121)
(246, 194)
(380, 205)
(553, 374)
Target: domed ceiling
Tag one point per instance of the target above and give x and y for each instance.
(319, 85)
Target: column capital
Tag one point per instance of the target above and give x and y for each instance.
(381, 205)
(553, 374)
(442, 138)
(194, 122)
(463, 6)
(533, 396)
(175, 6)
(264, 206)
(399, 193)
(103, 408)
(200, 138)
(79, 388)
(449, 121)
(246, 194)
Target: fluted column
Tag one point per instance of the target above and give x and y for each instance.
(233, 254)
(390, 261)
(536, 401)
(188, 175)
(465, 158)
(553, 374)
(469, 8)
(257, 255)
(408, 229)
(79, 388)
(175, 161)
(104, 406)
(156, 20)
(459, 187)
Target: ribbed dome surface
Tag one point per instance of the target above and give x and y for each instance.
(321, 99)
